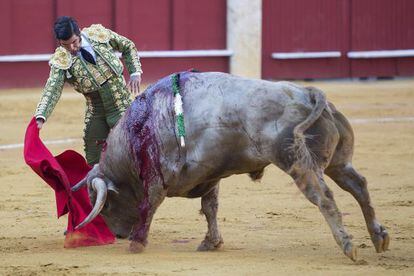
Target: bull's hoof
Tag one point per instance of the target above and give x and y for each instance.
(136, 247)
(350, 251)
(381, 240)
(208, 245)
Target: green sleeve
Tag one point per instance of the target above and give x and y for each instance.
(51, 93)
(128, 50)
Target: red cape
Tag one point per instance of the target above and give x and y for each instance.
(61, 173)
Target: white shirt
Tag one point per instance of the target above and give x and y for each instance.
(87, 46)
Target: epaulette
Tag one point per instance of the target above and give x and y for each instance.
(97, 33)
(61, 59)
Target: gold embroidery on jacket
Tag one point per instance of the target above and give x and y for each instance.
(72, 69)
(61, 59)
(97, 32)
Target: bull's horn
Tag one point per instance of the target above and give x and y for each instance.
(101, 191)
(79, 184)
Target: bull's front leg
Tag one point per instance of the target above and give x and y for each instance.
(209, 207)
(147, 207)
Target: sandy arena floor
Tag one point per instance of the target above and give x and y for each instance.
(269, 228)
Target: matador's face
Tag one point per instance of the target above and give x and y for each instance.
(72, 44)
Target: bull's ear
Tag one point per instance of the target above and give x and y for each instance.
(111, 186)
(95, 172)
(88, 178)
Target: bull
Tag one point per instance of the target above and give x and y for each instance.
(233, 126)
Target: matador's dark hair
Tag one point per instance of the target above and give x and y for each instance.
(65, 27)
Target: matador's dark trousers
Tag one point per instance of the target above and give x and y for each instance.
(103, 110)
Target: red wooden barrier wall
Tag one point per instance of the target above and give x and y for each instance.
(304, 26)
(288, 26)
(340, 25)
(26, 26)
(151, 24)
(382, 25)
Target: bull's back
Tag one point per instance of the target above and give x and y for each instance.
(223, 100)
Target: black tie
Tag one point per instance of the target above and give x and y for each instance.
(87, 56)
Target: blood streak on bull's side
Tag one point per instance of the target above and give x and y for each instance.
(141, 125)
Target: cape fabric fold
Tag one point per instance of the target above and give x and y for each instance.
(61, 173)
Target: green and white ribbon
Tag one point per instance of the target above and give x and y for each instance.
(178, 108)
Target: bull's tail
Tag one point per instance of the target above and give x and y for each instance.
(304, 157)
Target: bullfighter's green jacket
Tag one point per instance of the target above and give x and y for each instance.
(83, 76)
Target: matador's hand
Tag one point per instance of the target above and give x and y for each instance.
(134, 83)
(40, 122)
